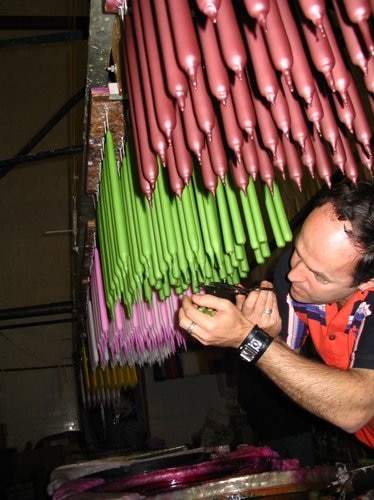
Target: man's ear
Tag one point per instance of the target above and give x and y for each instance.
(367, 285)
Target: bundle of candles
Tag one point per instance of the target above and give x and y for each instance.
(102, 385)
(178, 242)
(149, 255)
(150, 334)
(266, 83)
(114, 346)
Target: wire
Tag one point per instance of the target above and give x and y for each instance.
(21, 349)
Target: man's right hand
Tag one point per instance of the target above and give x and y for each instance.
(260, 307)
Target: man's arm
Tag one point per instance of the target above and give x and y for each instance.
(343, 398)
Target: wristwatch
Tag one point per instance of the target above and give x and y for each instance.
(254, 345)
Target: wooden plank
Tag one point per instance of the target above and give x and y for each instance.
(102, 109)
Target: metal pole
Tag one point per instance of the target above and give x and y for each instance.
(39, 310)
(67, 36)
(43, 155)
(18, 326)
(47, 127)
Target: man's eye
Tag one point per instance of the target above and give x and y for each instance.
(320, 278)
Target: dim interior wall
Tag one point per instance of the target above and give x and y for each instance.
(36, 347)
(36, 200)
(35, 264)
(178, 408)
(35, 196)
(37, 382)
(37, 403)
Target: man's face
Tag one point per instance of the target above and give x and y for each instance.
(323, 260)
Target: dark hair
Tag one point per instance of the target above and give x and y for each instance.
(355, 203)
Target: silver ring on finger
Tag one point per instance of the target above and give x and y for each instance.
(268, 310)
(191, 327)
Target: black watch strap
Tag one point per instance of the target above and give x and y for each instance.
(254, 345)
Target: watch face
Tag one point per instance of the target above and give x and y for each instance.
(249, 351)
(247, 356)
(256, 343)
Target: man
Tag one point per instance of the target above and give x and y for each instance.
(325, 290)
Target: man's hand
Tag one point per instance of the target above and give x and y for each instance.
(261, 308)
(222, 325)
(225, 324)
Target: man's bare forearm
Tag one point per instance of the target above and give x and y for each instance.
(340, 397)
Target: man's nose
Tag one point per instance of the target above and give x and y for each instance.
(295, 273)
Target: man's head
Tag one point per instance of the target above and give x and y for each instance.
(334, 252)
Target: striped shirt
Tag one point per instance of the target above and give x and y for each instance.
(343, 338)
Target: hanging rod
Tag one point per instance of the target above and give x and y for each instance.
(39, 310)
(44, 23)
(67, 36)
(48, 126)
(18, 326)
(47, 367)
(43, 155)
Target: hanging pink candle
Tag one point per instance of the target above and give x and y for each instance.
(352, 42)
(250, 158)
(321, 54)
(147, 164)
(351, 167)
(299, 129)
(314, 113)
(295, 169)
(119, 316)
(268, 130)
(217, 154)
(194, 136)
(360, 12)
(243, 104)
(338, 156)
(202, 105)
(183, 159)
(328, 122)
(323, 162)
(345, 111)
(278, 44)
(263, 70)
(258, 9)
(361, 126)
(164, 105)
(340, 73)
(209, 178)
(185, 39)
(209, 8)
(233, 134)
(218, 79)
(369, 77)
(230, 38)
(240, 175)
(281, 113)
(176, 182)
(280, 160)
(308, 156)
(302, 76)
(92, 344)
(266, 169)
(367, 161)
(100, 291)
(175, 78)
(149, 315)
(157, 138)
(315, 11)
